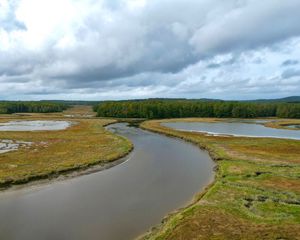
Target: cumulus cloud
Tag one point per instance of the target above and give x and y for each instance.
(112, 49)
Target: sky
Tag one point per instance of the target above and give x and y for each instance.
(128, 49)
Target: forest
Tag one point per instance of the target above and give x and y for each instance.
(157, 109)
(31, 107)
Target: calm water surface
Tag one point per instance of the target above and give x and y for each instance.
(161, 175)
(235, 128)
(34, 125)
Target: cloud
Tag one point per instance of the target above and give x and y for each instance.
(111, 48)
(289, 62)
(291, 72)
(8, 17)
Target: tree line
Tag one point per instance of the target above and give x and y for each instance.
(156, 109)
(31, 107)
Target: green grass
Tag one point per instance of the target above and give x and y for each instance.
(256, 193)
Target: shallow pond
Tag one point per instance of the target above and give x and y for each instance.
(161, 174)
(34, 125)
(297, 126)
(235, 129)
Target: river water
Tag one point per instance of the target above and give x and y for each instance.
(235, 129)
(161, 174)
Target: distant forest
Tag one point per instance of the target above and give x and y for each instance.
(31, 107)
(156, 108)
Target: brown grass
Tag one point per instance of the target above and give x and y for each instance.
(284, 123)
(84, 144)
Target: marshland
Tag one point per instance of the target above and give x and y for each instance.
(149, 120)
(103, 174)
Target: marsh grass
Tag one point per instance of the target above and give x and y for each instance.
(84, 144)
(284, 123)
(256, 194)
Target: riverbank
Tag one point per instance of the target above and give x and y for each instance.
(255, 195)
(120, 203)
(68, 152)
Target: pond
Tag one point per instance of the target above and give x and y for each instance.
(234, 129)
(296, 126)
(34, 125)
(161, 175)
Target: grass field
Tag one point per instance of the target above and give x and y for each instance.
(84, 144)
(256, 193)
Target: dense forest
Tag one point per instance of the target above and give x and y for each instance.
(31, 107)
(74, 102)
(155, 109)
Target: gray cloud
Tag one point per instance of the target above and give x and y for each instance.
(289, 62)
(291, 72)
(213, 65)
(249, 25)
(159, 47)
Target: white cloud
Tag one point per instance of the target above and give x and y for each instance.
(158, 48)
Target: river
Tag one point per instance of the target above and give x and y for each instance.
(161, 175)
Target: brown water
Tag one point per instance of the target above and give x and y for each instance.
(161, 175)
